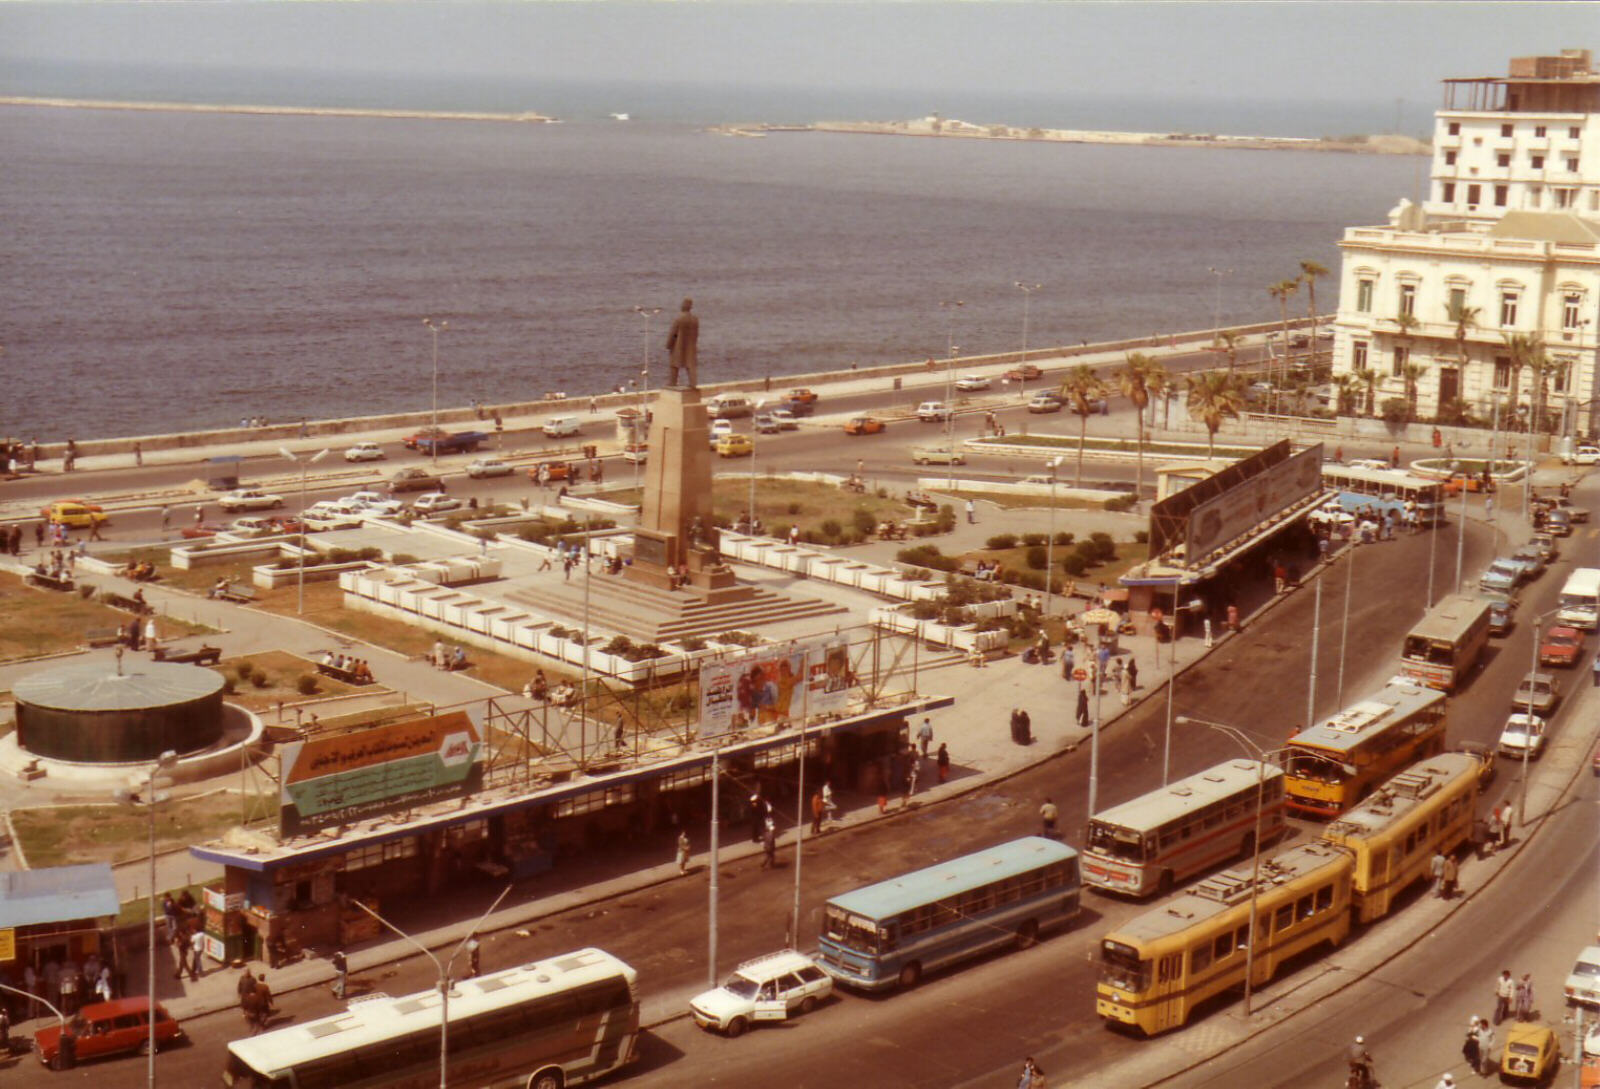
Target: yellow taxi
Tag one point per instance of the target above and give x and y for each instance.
(1531, 1055)
(73, 512)
(864, 425)
(735, 446)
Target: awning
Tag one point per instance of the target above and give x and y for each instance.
(57, 894)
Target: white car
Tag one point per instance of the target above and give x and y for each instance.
(435, 503)
(720, 429)
(249, 499)
(1583, 985)
(255, 527)
(768, 988)
(1583, 455)
(383, 508)
(933, 411)
(365, 451)
(1523, 733)
(483, 467)
(365, 499)
(786, 420)
(971, 383)
(331, 514)
(1331, 513)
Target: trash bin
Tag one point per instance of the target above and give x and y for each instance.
(590, 449)
(897, 383)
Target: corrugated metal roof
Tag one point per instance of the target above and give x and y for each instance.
(57, 894)
(99, 687)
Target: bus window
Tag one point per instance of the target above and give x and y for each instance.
(1223, 945)
(1282, 918)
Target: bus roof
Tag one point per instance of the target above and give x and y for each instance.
(1224, 891)
(1401, 795)
(1393, 477)
(375, 1019)
(889, 898)
(1451, 618)
(1152, 810)
(1352, 727)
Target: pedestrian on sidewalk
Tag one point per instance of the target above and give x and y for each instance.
(1102, 660)
(1525, 997)
(264, 1007)
(1125, 689)
(1069, 663)
(943, 760)
(925, 735)
(180, 951)
(1595, 669)
(1470, 1046)
(911, 777)
(1132, 674)
(1492, 839)
(1083, 707)
(341, 975)
(1504, 811)
(972, 513)
(683, 852)
(1505, 992)
(827, 798)
(1047, 818)
(1451, 874)
(1485, 1048)
(197, 948)
(769, 846)
(1436, 873)
(473, 954)
(818, 811)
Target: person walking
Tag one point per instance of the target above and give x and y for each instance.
(1436, 873)
(818, 811)
(911, 776)
(1505, 824)
(683, 851)
(250, 1003)
(972, 513)
(769, 846)
(942, 759)
(925, 735)
(828, 806)
(1047, 818)
(1125, 688)
(1451, 873)
(1470, 1047)
(474, 952)
(1083, 707)
(341, 974)
(1492, 839)
(1525, 997)
(1505, 990)
(197, 948)
(1132, 673)
(1485, 1047)
(264, 1007)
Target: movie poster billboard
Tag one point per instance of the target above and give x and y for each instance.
(350, 777)
(1252, 502)
(763, 688)
(830, 678)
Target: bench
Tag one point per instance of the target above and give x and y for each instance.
(102, 637)
(201, 655)
(50, 582)
(344, 675)
(125, 603)
(242, 592)
(31, 771)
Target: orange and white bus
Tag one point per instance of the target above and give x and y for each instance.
(1148, 844)
(1342, 759)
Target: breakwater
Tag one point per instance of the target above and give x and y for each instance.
(288, 111)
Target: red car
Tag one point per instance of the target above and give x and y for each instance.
(410, 441)
(202, 529)
(1560, 646)
(1024, 372)
(109, 1028)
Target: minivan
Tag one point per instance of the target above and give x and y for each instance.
(561, 427)
(730, 406)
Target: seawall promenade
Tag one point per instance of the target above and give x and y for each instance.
(291, 111)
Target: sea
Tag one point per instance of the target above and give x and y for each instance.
(173, 270)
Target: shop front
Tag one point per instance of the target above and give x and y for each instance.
(54, 921)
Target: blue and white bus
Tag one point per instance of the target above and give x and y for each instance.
(889, 934)
(1385, 490)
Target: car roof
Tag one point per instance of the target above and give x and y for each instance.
(775, 964)
(1546, 678)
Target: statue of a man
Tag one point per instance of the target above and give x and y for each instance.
(683, 343)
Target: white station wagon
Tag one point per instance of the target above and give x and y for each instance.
(768, 988)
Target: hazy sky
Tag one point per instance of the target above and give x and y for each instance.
(1324, 50)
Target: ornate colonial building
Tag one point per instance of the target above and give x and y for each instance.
(1486, 297)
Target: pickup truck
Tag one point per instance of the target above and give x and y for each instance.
(461, 442)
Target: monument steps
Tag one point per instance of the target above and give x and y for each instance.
(657, 615)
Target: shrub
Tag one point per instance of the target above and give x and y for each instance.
(558, 632)
(924, 609)
(306, 685)
(403, 558)
(1036, 557)
(1031, 539)
(924, 529)
(1075, 565)
(1064, 538)
(831, 528)
(620, 645)
(947, 518)
(1000, 541)
(1105, 549)
(864, 520)
(694, 642)
(1396, 409)
(244, 671)
(1121, 502)
(793, 508)
(259, 678)
(1142, 537)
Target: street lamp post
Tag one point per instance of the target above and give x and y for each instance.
(152, 781)
(1216, 308)
(60, 1017)
(1022, 367)
(305, 467)
(950, 307)
(1527, 745)
(1260, 755)
(1050, 541)
(646, 312)
(1172, 675)
(435, 327)
(444, 975)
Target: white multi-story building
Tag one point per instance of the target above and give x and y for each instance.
(1449, 301)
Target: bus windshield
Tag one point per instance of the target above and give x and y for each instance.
(1121, 967)
(1116, 842)
(852, 931)
(1419, 649)
(1310, 765)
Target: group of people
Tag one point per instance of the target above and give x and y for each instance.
(447, 658)
(64, 984)
(185, 933)
(61, 564)
(139, 571)
(255, 1001)
(360, 672)
(539, 688)
(20, 455)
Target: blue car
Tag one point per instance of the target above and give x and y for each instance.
(1503, 576)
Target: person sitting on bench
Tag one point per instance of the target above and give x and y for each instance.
(218, 589)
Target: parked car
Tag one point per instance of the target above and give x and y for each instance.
(1583, 983)
(1547, 545)
(766, 425)
(109, 1028)
(1330, 512)
(1539, 691)
(785, 419)
(561, 427)
(1532, 1053)
(1523, 733)
(1558, 522)
(1502, 613)
(249, 499)
(329, 515)
(197, 531)
(1561, 646)
(864, 425)
(1531, 557)
(263, 527)
(803, 395)
(720, 429)
(363, 499)
(365, 451)
(485, 467)
(74, 512)
(735, 446)
(382, 508)
(1024, 372)
(415, 479)
(410, 441)
(1503, 576)
(768, 988)
(937, 455)
(1583, 455)
(435, 503)
(933, 412)
(1045, 402)
(972, 383)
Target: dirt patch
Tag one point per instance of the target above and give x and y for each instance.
(70, 834)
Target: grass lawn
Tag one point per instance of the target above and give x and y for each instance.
(65, 835)
(49, 622)
(1018, 502)
(282, 672)
(781, 503)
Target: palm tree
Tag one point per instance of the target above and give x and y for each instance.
(1543, 370)
(1412, 373)
(1409, 325)
(1133, 381)
(1214, 397)
(1281, 291)
(1369, 379)
(1348, 388)
(1081, 389)
(1310, 271)
(1228, 341)
(1526, 350)
(1465, 317)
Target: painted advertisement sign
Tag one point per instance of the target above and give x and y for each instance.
(774, 685)
(337, 780)
(1243, 507)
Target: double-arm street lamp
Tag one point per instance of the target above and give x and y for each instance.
(435, 327)
(1172, 674)
(1260, 756)
(444, 976)
(1527, 742)
(152, 781)
(1022, 367)
(1050, 541)
(1216, 307)
(305, 467)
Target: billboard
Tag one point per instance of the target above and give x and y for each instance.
(337, 780)
(1251, 502)
(772, 685)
